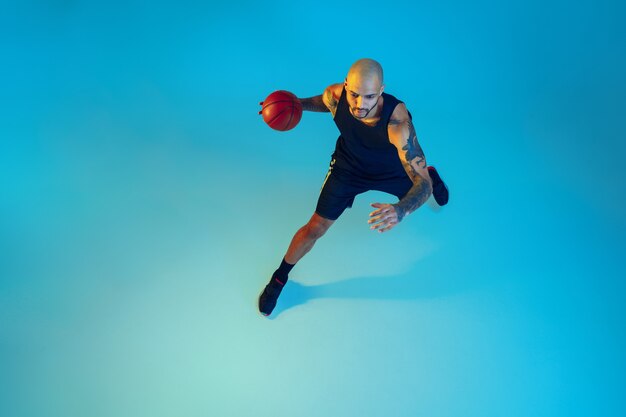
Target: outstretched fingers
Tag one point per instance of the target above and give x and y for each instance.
(383, 218)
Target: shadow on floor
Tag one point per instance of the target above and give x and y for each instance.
(415, 284)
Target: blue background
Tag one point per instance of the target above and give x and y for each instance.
(144, 205)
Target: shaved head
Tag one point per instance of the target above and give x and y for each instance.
(364, 87)
(366, 69)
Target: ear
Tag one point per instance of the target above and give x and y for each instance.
(382, 88)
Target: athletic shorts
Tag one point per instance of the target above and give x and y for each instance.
(340, 188)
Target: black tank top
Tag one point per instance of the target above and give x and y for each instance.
(363, 150)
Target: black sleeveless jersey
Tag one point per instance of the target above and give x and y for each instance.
(365, 151)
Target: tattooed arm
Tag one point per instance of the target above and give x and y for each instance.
(326, 102)
(402, 135)
(314, 104)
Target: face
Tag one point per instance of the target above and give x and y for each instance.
(362, 94)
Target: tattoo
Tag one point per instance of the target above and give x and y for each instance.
(417, 195)
(332, 102)
(413, 150)
(422, 189)
(314, 104)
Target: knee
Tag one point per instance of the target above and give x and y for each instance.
(316, 229)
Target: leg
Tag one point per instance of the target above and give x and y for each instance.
(302, 242)
(305, 238)
(336, 195)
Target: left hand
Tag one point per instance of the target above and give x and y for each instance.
(384, 218)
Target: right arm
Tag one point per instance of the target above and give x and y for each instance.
(326, 102)
(314, 104)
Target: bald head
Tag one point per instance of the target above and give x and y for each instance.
(364, 87)
(366, 70)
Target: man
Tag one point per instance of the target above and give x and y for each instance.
(377, 150)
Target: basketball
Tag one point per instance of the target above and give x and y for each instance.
(281, 110)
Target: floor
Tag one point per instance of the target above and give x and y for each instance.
(144, 205)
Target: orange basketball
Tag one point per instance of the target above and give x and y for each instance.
(281, 110)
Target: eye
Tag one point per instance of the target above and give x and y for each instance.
(354, 95)
(371, 96)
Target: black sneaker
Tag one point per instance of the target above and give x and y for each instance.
(440, 190)
(267, 300)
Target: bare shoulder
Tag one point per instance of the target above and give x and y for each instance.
(331, 96)
(335, 90)
(399, 116)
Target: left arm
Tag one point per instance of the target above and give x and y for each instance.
(402, 135)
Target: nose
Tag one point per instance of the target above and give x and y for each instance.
(359, 102)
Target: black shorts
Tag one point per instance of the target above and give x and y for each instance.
(341, 187)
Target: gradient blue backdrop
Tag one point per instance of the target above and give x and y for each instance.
(144, 204)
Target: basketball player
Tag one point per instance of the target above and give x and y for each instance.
(377, 150)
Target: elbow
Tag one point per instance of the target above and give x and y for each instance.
(427, 186)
